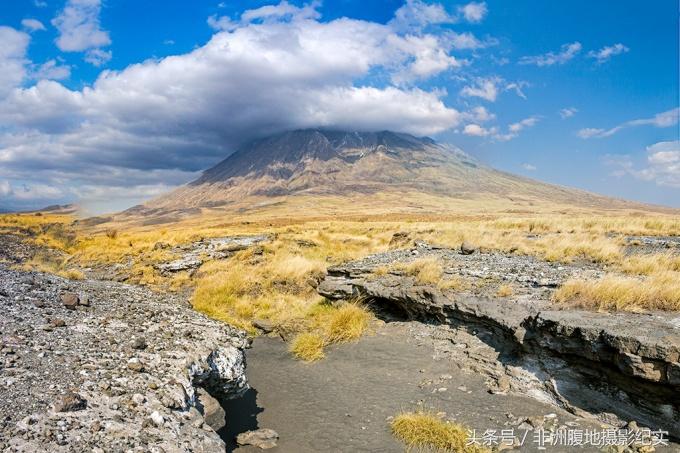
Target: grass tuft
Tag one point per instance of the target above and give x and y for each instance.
(424, 430)
(347, 323)
(426, 271)
(308, 346)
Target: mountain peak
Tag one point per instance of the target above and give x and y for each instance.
(358, 166)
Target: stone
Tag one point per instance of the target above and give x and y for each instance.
(70, 402)
(84, 301)
(135, 364)
(467, 248)
(263, 438)
(210, 408)
(139, 343)
(264, 325)
(157, 418)
(70, 300)
(57, 322)
(400, 238)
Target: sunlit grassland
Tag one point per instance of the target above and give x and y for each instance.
(277, 283)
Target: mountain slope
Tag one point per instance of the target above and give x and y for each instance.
(347, 170)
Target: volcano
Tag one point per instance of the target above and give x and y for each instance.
(335, 172)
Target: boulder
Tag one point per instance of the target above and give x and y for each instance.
(210, 408)
(467, 248)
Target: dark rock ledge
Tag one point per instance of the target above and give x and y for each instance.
(619, 367)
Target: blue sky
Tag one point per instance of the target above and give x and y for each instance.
(110, 102)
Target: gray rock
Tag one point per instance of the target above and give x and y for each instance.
(70, 402)
(70, 300)
(210, 408)
(263, 438)
(467, 248)
(264, 325)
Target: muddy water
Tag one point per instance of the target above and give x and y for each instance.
(343, 403)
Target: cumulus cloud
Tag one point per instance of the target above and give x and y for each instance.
(280, 68)
(566, 53)
(664, 119)
(32, 24)
(473, 11)
(476, 130)
(12, 58)
(662, 164)
(80, 30)
(529, 167)
(605, 53)
(568, 112)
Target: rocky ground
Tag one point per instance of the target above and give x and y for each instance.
(104, 366)
(109, 367)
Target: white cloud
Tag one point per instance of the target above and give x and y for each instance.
(515, 128)
(161, 121)
(467, 40)
(517, 87)
(414, 15)
(568, 112)
(40, 3)
(527, 122)
(51, 70)
(97, 57)
(32, 24)
(478, 131)
(489, 88)
(663, 119)
(222, 23)
(12, 58)
(566, 53)
(473, 11)
(485, 88)
(5, 188)
(662, 164)
(479, 115)
(529, 167)
(79, 30)
(605, 53)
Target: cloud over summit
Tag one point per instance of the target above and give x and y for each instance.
(279, 67)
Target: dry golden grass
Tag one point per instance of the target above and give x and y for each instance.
(651, 264)
(347, 323)
(424, 430)
(308, 346)
(659, 291)
(505, 290)
(426, 271)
